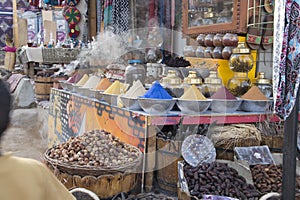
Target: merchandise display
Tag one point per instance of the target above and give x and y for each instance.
(157, 92)
(192, 93)
(103, 84)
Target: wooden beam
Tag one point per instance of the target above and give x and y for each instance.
(92, 18)
(15, 24)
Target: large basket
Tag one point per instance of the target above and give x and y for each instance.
(93, 171)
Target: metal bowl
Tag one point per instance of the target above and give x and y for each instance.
(111, 99)
(156, 106)
(75, 88)
(65, 85)
(225, 105)
(256, 105)
(130, 103)
(193, 106)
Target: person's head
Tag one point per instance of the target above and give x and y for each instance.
(5, 106)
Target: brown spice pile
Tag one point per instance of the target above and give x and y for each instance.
(254, 93)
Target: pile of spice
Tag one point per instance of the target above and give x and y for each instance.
(92, 82)
(223, 93)
(103, 84)
(75, 78)
(83, 80)
(116, 88)
(157, 92)
(254, 94)
(192, 93)
(136, 90)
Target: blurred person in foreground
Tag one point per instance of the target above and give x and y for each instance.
(23, 178)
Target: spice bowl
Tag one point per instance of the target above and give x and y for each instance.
(111, 99)
(130, 103)
(65, 85)
(256, 105)
(225, 105)
(83, 91)
(156, 106)
(193, 106)
(97, 94)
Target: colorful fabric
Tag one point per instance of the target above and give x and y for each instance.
(287, 69)
(107, 13)
(72, 2)
(10, 49)
(72, 15)
(74, 31)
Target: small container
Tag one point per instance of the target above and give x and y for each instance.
(200, 39)
(135, 71)
(241, 59)
(239, 84)
(264, 85)
(217, 52)
(211, 84)
(172, 84)
(218, 40)
(209, 40)
(200, 52)
(208, 53)
(192, 79)
(230, 39)
(226, 52)
(189, 51)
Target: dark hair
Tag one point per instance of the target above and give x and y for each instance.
(5, 106)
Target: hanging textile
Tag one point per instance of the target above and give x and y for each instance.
(287, 66)
(99, 15)
(107, 13)
(120, 15)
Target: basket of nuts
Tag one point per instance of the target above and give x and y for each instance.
(94, 153)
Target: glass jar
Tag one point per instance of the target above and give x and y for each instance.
(200, 52)
(226, 52)
(211, 84)
(264, 85)
(239, 84)
(208, 53)
(209, 40)
(172, 84)
(218, 40)
(217, 53)
(200, 39)
(241, 59)
(192, 79)
(189, 51)
(135, 71)
(230, 39)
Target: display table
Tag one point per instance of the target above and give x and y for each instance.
(71, 114)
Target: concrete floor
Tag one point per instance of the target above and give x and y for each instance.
(24, 138)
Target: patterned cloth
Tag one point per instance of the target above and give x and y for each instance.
(120, 15)
(286, 56)
(107, 13)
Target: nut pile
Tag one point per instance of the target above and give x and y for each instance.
(95, 149)
(268, 178)
(218, 179)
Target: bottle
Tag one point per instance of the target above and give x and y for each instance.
(239, 84)
(135, 71)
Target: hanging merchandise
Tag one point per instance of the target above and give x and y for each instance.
(107, 13)
(120, 15)
(74, 31)
(72, 15)
(286, 57)
(72, 2)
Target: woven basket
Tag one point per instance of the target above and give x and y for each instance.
(92, 171)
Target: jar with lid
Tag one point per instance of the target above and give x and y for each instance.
(211, 84)
(189, 51)
(239, 84)
(208, 53)
(230, 39)
(264, 85)
(172, 84)
(200, 52)
(218, 40)
(193, 79)
(208, 41)
(135, 71)
(217, 53)
(241, 59)
(226, 52)
(200, 39)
